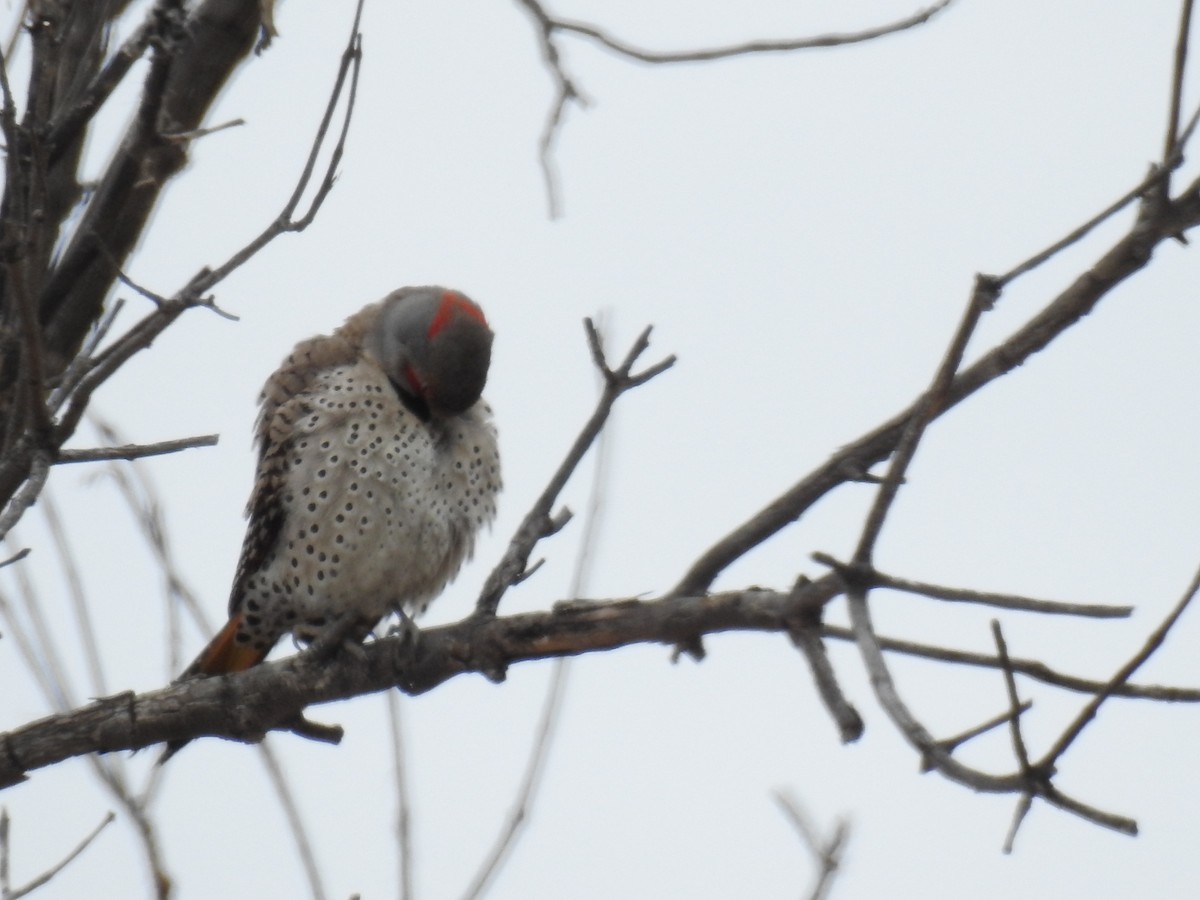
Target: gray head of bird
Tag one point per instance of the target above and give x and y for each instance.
(435, 346)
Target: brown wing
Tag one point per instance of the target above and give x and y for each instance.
(285, 399)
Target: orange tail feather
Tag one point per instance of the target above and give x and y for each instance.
(224, 654)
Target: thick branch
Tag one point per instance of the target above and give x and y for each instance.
(181, 85)
(246, 706)
(273, 696)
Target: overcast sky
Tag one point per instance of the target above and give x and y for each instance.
(802, 231)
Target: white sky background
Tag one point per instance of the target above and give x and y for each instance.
(802, 230)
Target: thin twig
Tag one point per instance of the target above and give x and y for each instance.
(197, 133)
(826, 853)
(984, 598)
(527, 792)
(193, 293)
(79, 365)
(1014, 700)
(16, 557)
(291, 812)
(538, 523)
(82, 613)
(16, 629)
(1139, 190)
(39, 469)
(136, 451)
(404, 856)
(141, 497)
(144, 827)
(552, 705)
(928, 408)
(806, 636)
(1121, 824)
(1171, 145)
(1128, 255)
(1024, 805)
(566, 93)
(40, 880)
(1028, 667)
(5, 824)
(1152, 643)
(750, 47)
(1037, 779)
(286, 221)
(952, 743)
(931, 405)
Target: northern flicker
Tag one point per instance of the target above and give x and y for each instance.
(377, 467)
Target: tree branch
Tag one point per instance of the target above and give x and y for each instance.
(837, 39)
(247, 705)
(1128, 255)
(135, 451)
(538, 522)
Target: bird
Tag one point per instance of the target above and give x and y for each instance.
(377, 468)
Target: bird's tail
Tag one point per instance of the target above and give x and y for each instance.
(224, 654)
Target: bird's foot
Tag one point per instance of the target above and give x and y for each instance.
(342, 633)
(404, 628)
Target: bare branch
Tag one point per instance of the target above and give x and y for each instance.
(286, 221)
(1037, 779)
(527, 792)
(1121, 824)
(270, 696)
(1014, 701)
(1136, 192)
(16, 557)
(247, 705)
(806, 635)
(552, 705)
(291, 812)
(140, 336)
(1127, 256)
(1030, 668)
(931, 405)
(82, 613)
(826, 853)
(67, 126)
(197, 133)
(193, 55)
(10, 514)
(537, 523)
(1172, 146)
(1024, 805)
(5, 824)
(80, 365)
(879, 579)
(566, 93)
(58, 867)
(1152, 643)
(951, 744)
(136, 451)
(750, 47)
(404, 856)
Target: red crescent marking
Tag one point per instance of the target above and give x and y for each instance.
(453, 302)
